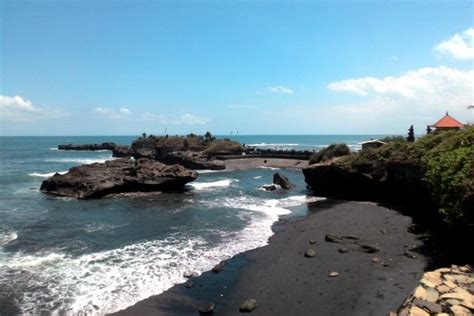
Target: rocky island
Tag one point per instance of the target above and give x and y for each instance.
(118, 176)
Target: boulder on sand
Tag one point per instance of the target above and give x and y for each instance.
(118, 176)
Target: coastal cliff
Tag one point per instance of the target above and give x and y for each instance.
(434, 173)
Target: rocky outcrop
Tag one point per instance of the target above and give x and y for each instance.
(446, 290)
(193, 160)
(187, 159)
(282, 181)
(395, 182)
(118, 176)
(103, 146)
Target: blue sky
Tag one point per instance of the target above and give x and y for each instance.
(268, 67)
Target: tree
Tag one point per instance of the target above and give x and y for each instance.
(411, 134)
(144, 135)
(428, 129)
(208, 136)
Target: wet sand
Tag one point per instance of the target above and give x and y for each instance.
(285, 282)
(249, 163)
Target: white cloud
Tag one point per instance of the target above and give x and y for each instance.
(126, 114)
(460, 46)
(280, 89)
(424, 82)
(19, 109)
(419, 96)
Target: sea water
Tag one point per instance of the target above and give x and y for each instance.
(69, 256)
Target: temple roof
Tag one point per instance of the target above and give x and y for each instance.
(448, 121)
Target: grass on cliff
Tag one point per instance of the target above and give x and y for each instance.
(224, 146)
(332, 151)
(447, 161)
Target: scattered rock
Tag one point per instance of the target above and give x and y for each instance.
(409, 255)
(384, 231)
(312, 242)
(431, 295)
(343, 250)
(416, 311)
(333, 238)
(282, 181)
(369, 248)
(189, 275)
(452, 302)
(248, 306)
(189, 284)
(333, 274)
(460, 311)
(207, 308)
(310, 253)
(432, 307)
(218, 267)
(375, 259)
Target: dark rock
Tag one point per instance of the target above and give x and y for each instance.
(312, 242)
(269, 187)
(248, 306)
(369, 248)
(122, 152)
(409, 255)
(333, 238)
(218, 267)
(189, 284)
(88, 147)
(118, 176)
(207, 308)
(391, 182)
(189, 275)
(343, 250)
(310, 253)
(282, 181)
(192, 160)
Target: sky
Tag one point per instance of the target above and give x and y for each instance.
(256, 67)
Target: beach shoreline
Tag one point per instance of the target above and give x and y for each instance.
(286, 282)
(277, 163)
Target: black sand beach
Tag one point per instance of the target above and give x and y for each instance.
(248, 163)
(285, 282)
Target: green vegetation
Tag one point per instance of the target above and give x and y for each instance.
(332, 151)
(447, 161)
(224, 146)
(205, 143)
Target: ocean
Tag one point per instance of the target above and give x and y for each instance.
(73, 257)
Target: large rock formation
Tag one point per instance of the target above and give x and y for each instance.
(118, 176)
(192, 160)
(282, 181)
(103, 146)
(395, 182)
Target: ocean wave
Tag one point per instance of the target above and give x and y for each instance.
(53, 148)
(108, 281)
(82, 161)
(45, 175)
(211, 185)
(269, 168)
(211, 171)
(6, 237)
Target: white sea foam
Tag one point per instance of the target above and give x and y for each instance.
(257, 177)
(273, 145)
(6, 237)
(45, 175)
(211, 185)
(269, 168)
(82, 161)
(53, 148)
(210, 171)
(107, 281)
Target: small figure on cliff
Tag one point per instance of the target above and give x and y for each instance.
(411, 135)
